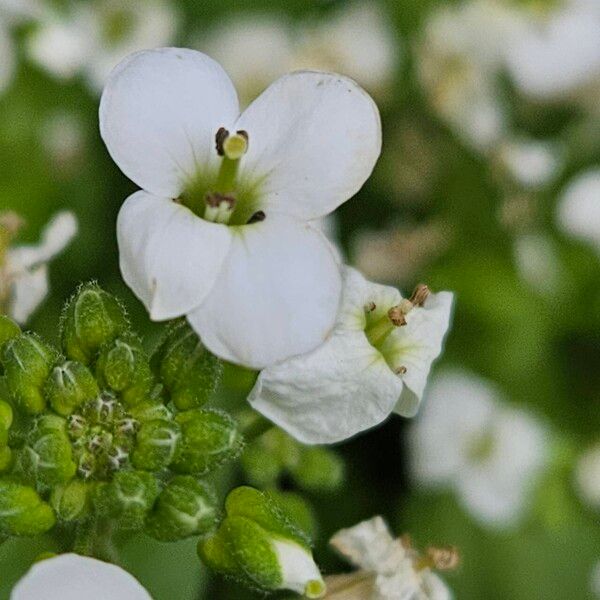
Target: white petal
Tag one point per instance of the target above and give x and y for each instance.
(314, 140)
(341, 388)
(416, 345)
(57, 235)
(73, 577)
(297, 566)
(277, 295)
(159, 114)
(28, 291)
(367, 545)
(169, 257)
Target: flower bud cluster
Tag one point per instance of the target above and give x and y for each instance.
(99, 432)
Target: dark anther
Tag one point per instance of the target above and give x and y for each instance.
(257, 217)
(243, 133)
(221, 136)
(215, 199)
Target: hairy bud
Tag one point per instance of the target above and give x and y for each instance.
(186, 507)
(22, 511)
(71, 502)
(69, 386)
(8, 329)
(318, 470)
(155, 444)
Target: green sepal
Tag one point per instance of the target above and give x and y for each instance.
(124, 367)
(6, 459)
(319, 470)
(6, 415)
(69, 386)
(127, 499)
(298, 511)
(27, 362)
(8, 329)
(22, 511)
(188, 370)
(213, 552)
(150, 410)
(155, 445)
(71, 502)
(185, 507)
(209, 438)
(91, 318)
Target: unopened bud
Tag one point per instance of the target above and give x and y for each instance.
(8, 329)
(71, 502)
(261, 465)
(22, 511)
(188, 370)
(69, 386)
(209, 438)
(6, 415)
(319, 470)
(6, 459)
(186, 507)
(27, 362)
(92, 318)
(149, 411)
(155, 445)
(127, 498)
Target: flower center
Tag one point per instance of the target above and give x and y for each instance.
(224, 197)
(481, 447)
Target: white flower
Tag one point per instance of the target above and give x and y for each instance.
(7, 52)
(267, 286)
(376, 361)
(587, 476)
(91, 38)
(63, 138)
(578, 211)
(357, 41)
(23, 269)
(558, 52)
(253, 49)
(390, 569)
(490, 453)
(73, 577)
(538, 262)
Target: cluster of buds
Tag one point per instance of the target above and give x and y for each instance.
(101, 433)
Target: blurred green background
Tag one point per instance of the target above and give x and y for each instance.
(445, 211)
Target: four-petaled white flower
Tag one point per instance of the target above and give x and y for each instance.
(220, 232)
(579, 207)
(389, 568)
(490, 453)
(375, 361)
(73, 577)
(23, 269)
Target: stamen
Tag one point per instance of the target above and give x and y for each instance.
(446, 558)
(257, 217)
(420, 294)
(219, 207)
(401, 370)
(370, 307)
(220, 137)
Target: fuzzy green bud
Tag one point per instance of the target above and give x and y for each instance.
(48, 455)
(127, 498)
(186, 507)
(155, 445)
(319, 470)
(188, 370)
(257, 540)
(8, 329)
(209, 438)
(69, 386)
(149, 411)
(27, 362)
(22, 511)
(6, 459)
(71, 502)
(6, 415)
(92, 318)
(124, 367)
(262, 467)
(298, 510)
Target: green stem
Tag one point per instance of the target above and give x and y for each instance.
(227, 175)
(95, 539)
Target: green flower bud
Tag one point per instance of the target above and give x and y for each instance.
(6, 415)
(262, 466)
(124, 367)
(257, 540)
(127, 498)
(184, 508)
(6, 459)
(27, 362)
(69, 386)
(298, 510)
(8, 329)
(22, 511)
(319, 470)
(3, 437)
(155, 445)
(149, 411)
(208, 439)
(188, 370)
(92, 318)
(48, 456)
(71, 502)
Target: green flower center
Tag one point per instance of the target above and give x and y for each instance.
(481, 447)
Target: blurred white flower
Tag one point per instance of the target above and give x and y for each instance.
(62, 136)
(358, 41)
(587, 476)
(389, 568)
(91, 38)
(267, 286)
(595, 580)
(558, 51)
(578, 210)
(253, 49)
(23, 269)
(490, 453)
(375, 361)
(531, 163)
(74, 577)
(537, 262)
(7, 54)
(459, 59)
